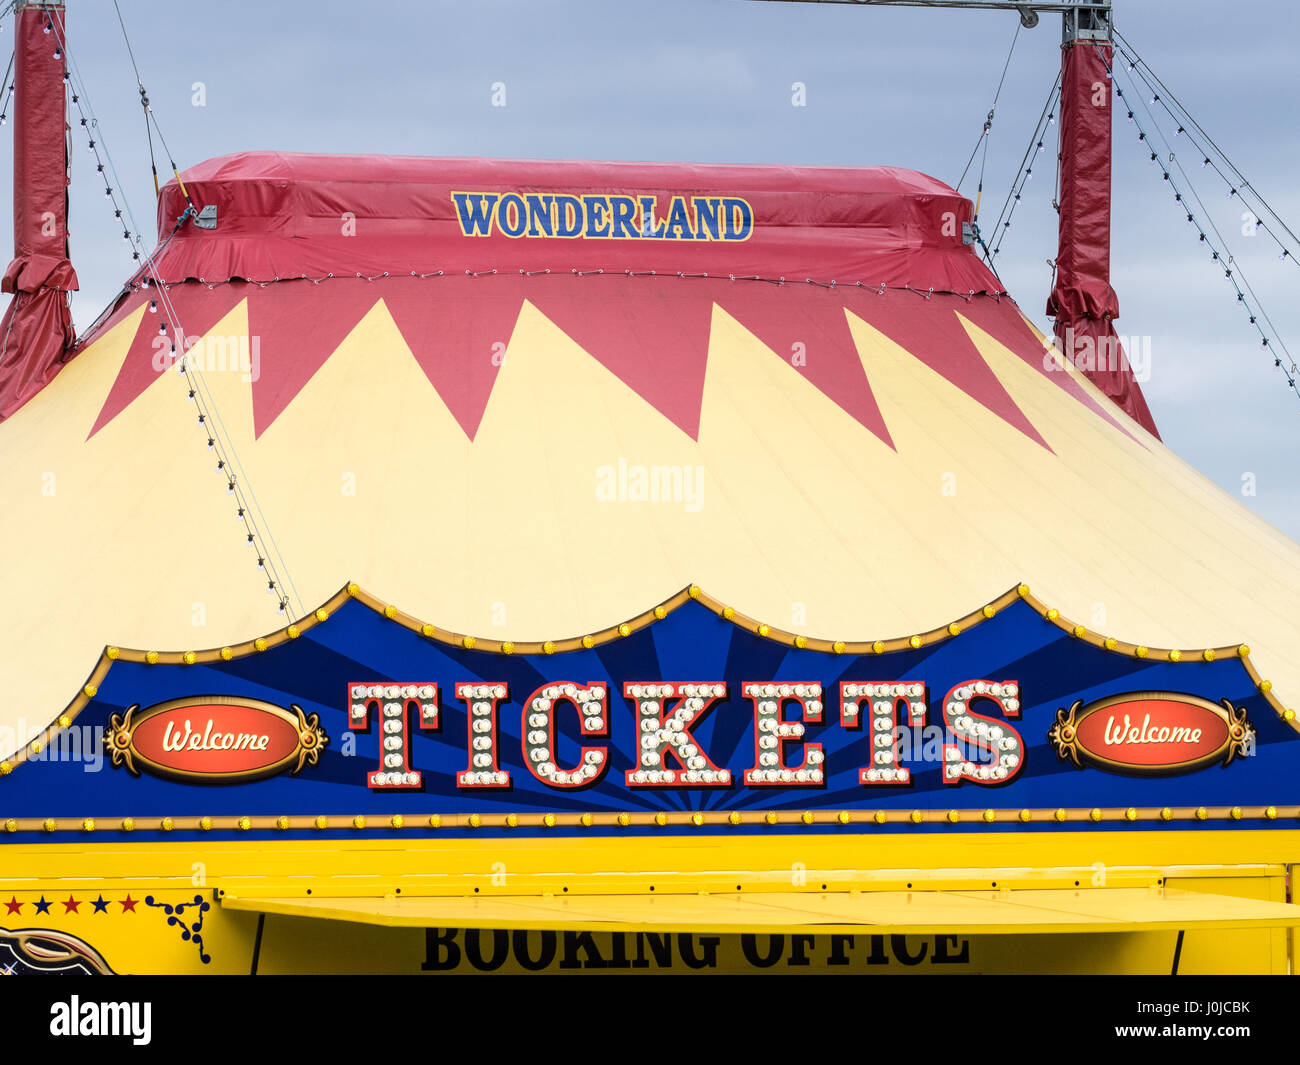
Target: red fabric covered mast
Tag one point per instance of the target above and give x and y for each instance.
(36, 336)
(1082, 301)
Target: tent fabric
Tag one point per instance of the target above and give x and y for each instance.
(650, 332)
(1082, 301)
(36, 334)
(282, 215)
(854, 462)
(313, 242)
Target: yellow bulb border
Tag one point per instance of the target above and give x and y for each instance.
(321, 615)
(398, 823)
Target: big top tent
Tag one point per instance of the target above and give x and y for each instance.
(452, 564)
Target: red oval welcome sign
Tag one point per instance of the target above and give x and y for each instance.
(212, 739)
(1151, 733)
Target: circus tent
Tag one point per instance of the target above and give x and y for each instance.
(795, 387)
(495, 565)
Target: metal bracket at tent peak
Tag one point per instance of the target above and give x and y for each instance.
(1087, 22)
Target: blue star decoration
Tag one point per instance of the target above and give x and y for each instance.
(42, 906)
(100, 904)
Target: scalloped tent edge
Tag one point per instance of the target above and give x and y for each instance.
(322, 614)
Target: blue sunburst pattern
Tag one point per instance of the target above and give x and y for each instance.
(691, 645)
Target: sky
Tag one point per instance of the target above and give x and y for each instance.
(713, 81)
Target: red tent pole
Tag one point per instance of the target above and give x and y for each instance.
(36, 335)
(1082, 300)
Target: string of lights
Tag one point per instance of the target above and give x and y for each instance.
(197, 388)
(1025, 172)
(1237, 185)
(8, 87)
(1231, 269)
(1237, 181)
(1229, 258)
(248, 510)
(138, 283)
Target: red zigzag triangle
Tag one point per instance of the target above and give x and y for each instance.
(297, 325)
(805, 325)
(929, 330)
(458, 328)
(197, 309)
(1002, 320)
(650, 332)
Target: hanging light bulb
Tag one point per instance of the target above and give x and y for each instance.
(58, 52)
(162, 329)
(153, 306)
(270, 587)
(48, 26)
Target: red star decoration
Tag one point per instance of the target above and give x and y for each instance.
(128, 904)
(71, 905)
(14, 906)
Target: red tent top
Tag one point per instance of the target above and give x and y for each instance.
(283, 215)
(454, 248)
